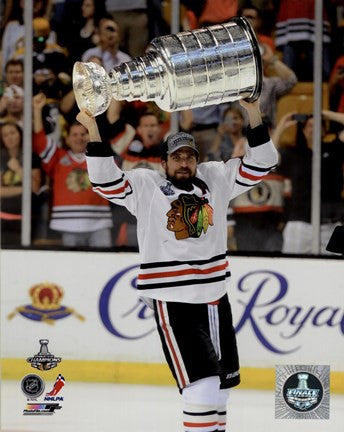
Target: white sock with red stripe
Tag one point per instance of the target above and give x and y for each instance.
(222, 409)
(200, 418)
(200, 405)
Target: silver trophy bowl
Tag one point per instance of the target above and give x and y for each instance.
(190, 69)
(92, 87)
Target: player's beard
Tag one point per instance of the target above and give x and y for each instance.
(184, 183)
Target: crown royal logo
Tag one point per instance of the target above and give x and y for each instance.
(45, 298)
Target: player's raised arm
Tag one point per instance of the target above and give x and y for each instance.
(261, 155)
(107, 179)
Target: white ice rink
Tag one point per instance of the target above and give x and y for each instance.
(89, 407)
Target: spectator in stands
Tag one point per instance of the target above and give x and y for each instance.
(132, 19)
(82, 217)
(278, 80)
(140, 149)
(336, 86)
(47, 56)
(204, 13)
(83, 32)
(13, 37)
(107, 49)
(11, 183)
(49, 72)
(12, 84)
(14, 73)
(253, 15)
(296, 166)
(12, 105)
(230, 133)
(295, 35)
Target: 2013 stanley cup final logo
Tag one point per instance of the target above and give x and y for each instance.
(44, 360)
(302, 392)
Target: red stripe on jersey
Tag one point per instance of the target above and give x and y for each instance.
(169, 341)
(114, 191)
(183, 272)
(257, 209)
(249, 176)
(196, 425)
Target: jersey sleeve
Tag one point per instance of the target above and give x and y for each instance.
(46, 148)
(108, 180)
(260, 158)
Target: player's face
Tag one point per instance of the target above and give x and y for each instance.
(77, 138)
(181, 164)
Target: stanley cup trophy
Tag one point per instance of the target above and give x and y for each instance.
(190, 69)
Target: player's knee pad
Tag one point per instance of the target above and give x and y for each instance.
(204, 391)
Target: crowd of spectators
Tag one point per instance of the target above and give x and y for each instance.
(273, 217)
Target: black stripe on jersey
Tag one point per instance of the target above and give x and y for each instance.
(183, 282)
(177, 263)
(203, 413)
(108, 183)
(222, 412)
(255, 168)
(245, 184)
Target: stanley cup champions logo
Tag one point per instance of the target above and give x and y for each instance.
(44, 360)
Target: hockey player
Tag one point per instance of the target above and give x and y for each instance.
(181, 228)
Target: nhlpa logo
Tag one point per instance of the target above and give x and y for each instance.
(59, 383)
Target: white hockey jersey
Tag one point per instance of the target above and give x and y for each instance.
(182, 235)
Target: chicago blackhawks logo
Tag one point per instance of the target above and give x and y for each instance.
(77, 180)
(189, 216)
